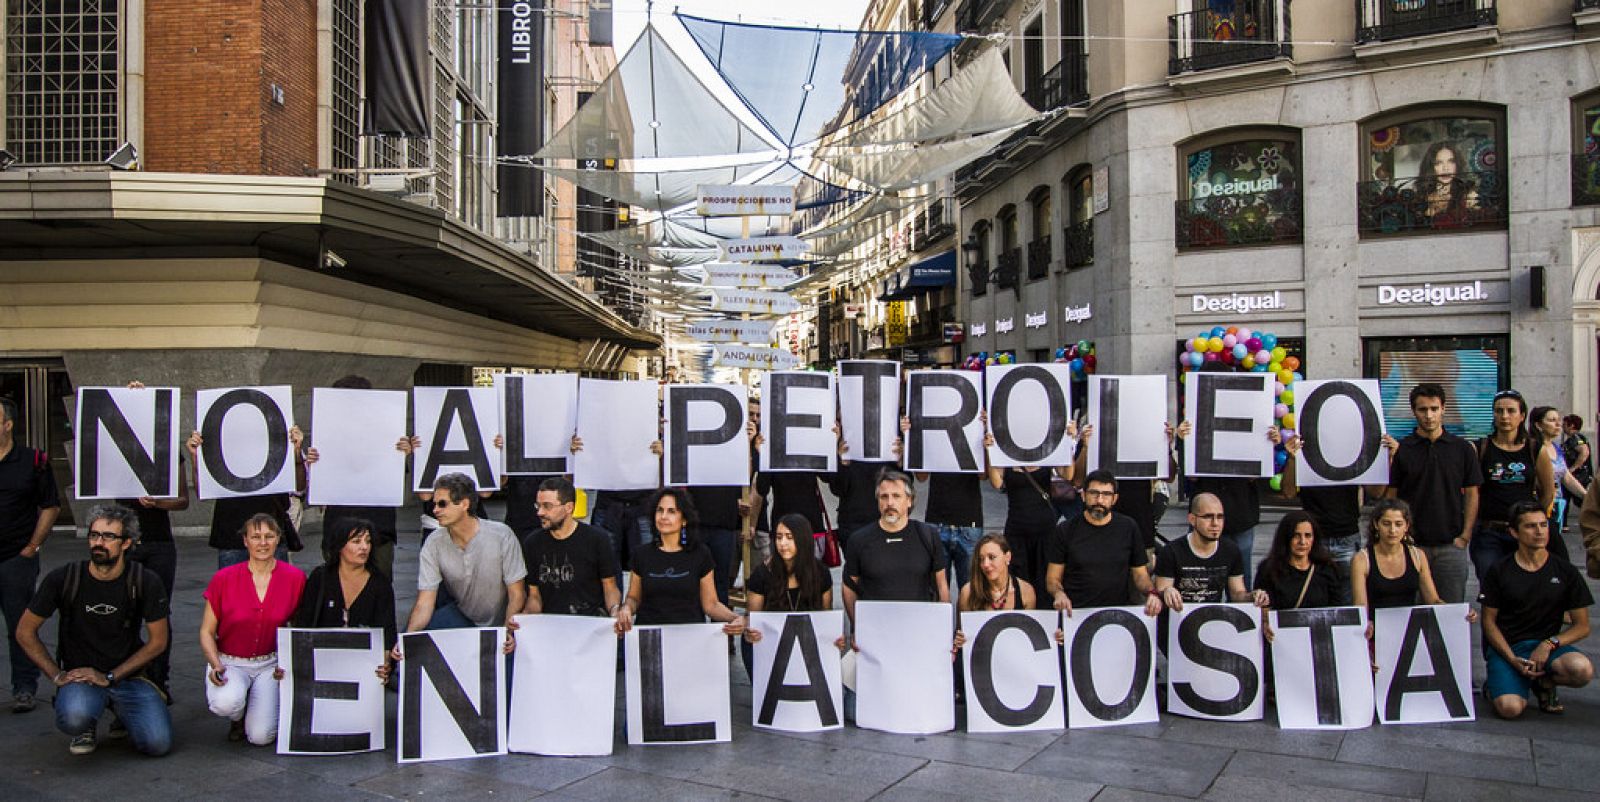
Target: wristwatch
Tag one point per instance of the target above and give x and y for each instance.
(111, 677)
(1555, 642)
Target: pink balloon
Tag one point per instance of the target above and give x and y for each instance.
(1280, 410)
(1244, 335)
(1229, 341)
(1277, 389)
(1212, 356)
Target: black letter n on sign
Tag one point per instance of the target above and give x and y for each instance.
(97, 412)
(478, 724)
(797, 630)
(308, 689)
(653, 697)
(1423, 626)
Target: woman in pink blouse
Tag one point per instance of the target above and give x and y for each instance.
(245, 605)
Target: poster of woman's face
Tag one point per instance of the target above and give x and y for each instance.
(1439, 148)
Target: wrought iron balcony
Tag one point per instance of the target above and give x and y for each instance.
(1039, 258)
(1586, 174)
(932, 10)
(1077, 241)
(1066, 84)
(1007, 269)
(978, 277)
(1251, 30)
(975, 15)
(1226, 221)
(1417, 205)
(1384, 20)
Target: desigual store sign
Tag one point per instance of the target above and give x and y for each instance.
(1239, 304)
(1436, 297)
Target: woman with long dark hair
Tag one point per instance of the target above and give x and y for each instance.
(1515, 469)
(1544, 429)
(1298, 571)
(1440, 183)
(994, 584)
(792, 580)
(671, 579)
(347, 590)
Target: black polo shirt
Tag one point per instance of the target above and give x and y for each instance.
(1429, 475)
(26, 486)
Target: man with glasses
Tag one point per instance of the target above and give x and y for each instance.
(1438, 474)
(1094, 557)
(473, 577)
(1203, 567)
(571, 569)
(28, 508)
(101, 657)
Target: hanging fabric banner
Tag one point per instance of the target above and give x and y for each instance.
(739, 356)
(731, 331)
(759, 249)
(399, 70)
(748, 275)
(744, 200)
(519, 62)
(754, 301)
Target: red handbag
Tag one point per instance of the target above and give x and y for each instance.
(826, 541)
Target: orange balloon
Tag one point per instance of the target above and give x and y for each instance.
(1233, 329)
(1292, 363)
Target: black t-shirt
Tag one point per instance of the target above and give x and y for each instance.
(893, 566)
(1529, 604)
(1135, 499)
(1325, 589)
(322, 604)
(155, 525)
(26, 486)
(786, 599)
(672, 584)
(718, 505)
(568, 572)
(384, 521)
(103, 628)
(1335, 509)
(229, 516)
(1429, 475)
(789, 493)
(1200, 580)
(1028, 512)
(955, 499)
(522, 503)
(1241, 501)
(1508, 477)
(1097, 559)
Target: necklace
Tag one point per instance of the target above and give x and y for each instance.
(998, 602)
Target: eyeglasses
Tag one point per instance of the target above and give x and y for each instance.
(441, 503)
(105, 536)
(1209, 516)
(1099, 493)
(1508, 394)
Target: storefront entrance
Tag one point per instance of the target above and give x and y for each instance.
(43, 394)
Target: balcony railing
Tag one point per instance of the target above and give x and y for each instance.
(1411, 205)
(1007, 268)
(1383, 20)
(1039, 258)
(1225, 221)
(1252, 30)
(978, 277)
(1077, 240)
(932, 10)
(1586, 174)
(973, 15)
(1066, 84)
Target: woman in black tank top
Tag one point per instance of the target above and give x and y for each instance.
(1391, 572)
(1514, 470)
(994, 586)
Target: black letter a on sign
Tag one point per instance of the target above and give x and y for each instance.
(1423, 625)
(797, 629)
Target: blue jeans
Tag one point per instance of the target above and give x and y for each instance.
(17, 578)
(1491, 543)
(227, 557)
(1343, 549)
(136, 702)
(724, 545)
(448, 616)
(628, 530)
(959, 542)
(1245, 539)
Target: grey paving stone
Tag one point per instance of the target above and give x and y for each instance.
(1562, 764)
(442, 780)
(1445, 788)
(784, 751)
(1118, 760)
(1258, 736)
(1246, 789)
(970, 750)
(532, 771)
(1308, 772)
(347, 769)
(1453, 752)
(1111, 794)
(947, 781)
(623, 784)
(286, 785)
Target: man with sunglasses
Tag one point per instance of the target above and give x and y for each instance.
(101, 657)
(474, 576)
(1438, 474)
(1096, 556)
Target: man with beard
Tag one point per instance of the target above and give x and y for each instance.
(1094, 557)
(1202, 567)
(101, 657)
(895, 559)
(571, 569)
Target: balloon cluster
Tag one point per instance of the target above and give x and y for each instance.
(979, 360)
(1080, 355)
(1240, 349)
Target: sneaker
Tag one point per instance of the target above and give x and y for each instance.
(236, 730)
(117, 731)
(82, 744)
(22, 703)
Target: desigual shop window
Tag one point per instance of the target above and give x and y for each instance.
(1239, 190)
(1431, 171)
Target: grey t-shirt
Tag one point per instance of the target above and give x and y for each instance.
(477, 575)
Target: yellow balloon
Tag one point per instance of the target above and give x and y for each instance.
(1286, 376)
(1214, 344)
(1288, 421)
(1248, 362)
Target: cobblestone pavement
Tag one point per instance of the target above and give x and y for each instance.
(1178, 757)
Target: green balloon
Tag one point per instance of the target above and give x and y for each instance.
(1277, 483)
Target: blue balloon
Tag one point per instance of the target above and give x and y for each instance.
(1240, 351)
(1077, 366)
(1196, 358)
(1280, 458)
(1260, 368)
(1269, 341)
(1298, 377)
(1218, 331)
